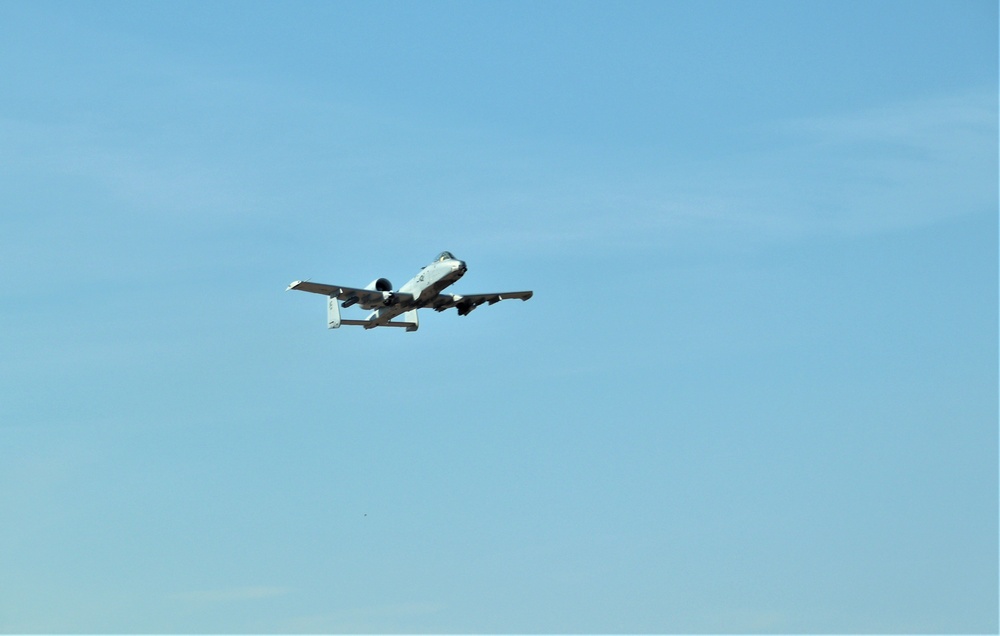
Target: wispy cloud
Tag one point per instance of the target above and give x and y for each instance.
(881, 170)
(233, 594)
(878, 170)
(144, 180)
(398, 617)
(898, 166)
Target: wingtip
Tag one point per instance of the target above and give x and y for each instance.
(293, 285)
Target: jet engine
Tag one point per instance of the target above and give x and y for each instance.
(379, 284)
(383, 285)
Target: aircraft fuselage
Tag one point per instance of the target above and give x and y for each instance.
(424, 287)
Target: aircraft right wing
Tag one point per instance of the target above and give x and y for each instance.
(365, 298)
(466, 303)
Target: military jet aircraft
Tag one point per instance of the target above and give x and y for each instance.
(421, 291)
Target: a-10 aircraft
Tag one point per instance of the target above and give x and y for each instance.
(422, 291)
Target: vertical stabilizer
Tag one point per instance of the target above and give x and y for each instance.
(410, 318)
(332, 313)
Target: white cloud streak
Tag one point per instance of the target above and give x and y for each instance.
(884, 170)
(371, 619)
(232, 595)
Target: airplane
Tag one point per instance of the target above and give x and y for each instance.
(423, 291)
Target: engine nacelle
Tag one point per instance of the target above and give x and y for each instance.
(379, 284)
(383, 285)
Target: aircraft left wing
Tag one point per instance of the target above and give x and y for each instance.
(467, 302)
(366, 298)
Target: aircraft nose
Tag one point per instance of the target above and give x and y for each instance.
(458, 266)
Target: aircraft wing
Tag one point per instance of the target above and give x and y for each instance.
(366, 298)
(467, 302)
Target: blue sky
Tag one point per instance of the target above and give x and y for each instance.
(756, 389)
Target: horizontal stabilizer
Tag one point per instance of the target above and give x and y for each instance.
(410, 326)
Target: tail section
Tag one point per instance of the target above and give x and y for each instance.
(334, 321)
(411, 321)
(332, 313)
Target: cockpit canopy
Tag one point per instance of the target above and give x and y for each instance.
(444, 256)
